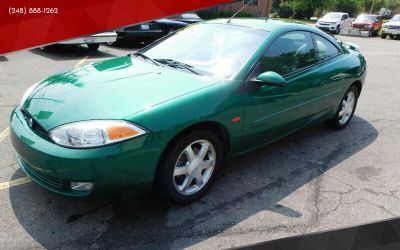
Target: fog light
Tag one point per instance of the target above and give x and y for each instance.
(81, 186)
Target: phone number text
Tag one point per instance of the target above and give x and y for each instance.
(24, 10)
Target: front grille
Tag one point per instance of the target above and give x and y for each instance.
(40, 176)
(35, 125)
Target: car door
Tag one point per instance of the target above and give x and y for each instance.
(345, 23)
(333, 85)
(271, 112)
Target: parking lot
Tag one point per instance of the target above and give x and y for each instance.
(316, 179)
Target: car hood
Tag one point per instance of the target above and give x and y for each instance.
(362, 22)
(328, 20)
(112, 89)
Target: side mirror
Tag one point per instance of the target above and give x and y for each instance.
(271, 78)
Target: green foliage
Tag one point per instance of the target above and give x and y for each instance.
(231, 13)
(208, 14)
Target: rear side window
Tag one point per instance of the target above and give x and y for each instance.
(289, 53)
(324, 49)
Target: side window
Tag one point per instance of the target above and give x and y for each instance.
(345, 16)
(324, 49)
(290, 52)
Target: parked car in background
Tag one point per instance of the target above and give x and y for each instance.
(333, 22)
(189, 18)
(167, 116)
(367, 23)
(385, 13)
(151, 31)
(93, 41)
(391, 28)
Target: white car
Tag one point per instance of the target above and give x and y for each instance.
(391, 28)
(93, 41)
(333, 22)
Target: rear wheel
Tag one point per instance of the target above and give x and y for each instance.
(346, 109)
(93, 47)
(190, 167)
(383, 36)
(392, 36)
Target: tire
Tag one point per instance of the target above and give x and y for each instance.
(383, 36)
(371, 33)
(339, 122)
(391, 36)
(112, 44)
(170, 31)
(337, 30)
(170, 183)
(94, 46)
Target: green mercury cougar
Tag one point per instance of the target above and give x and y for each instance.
(167, 116)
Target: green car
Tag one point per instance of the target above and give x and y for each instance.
(169, 115)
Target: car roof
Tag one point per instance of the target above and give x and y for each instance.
(262, 23)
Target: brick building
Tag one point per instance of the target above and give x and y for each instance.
(256, 7)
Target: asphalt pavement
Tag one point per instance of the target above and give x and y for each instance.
(316, 179)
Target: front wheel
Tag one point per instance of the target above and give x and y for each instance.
(190, 167)
(94, 46)
(337, 31)
(346, 109)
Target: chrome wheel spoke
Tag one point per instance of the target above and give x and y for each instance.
(181, 171)
(208, 163)
(186, 183)
(189, 153)
(199, 179)
(203, 151)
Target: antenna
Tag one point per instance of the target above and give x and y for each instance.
(239, 11)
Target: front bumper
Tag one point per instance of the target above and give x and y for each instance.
(330, 28)
(122, 166)
(391, 31)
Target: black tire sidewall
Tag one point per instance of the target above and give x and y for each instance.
(165, 174)
(335, 122)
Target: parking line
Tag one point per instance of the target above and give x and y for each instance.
(13, 183)
(4, 134)
(81, 61)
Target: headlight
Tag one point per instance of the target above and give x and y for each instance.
(27, 93)
(94, 133)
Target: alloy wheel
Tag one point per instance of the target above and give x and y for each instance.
(347, 107)
(194, 167)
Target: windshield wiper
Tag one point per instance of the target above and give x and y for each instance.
(140, 54)
(177, 65)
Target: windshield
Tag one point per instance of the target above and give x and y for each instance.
(365, 18)
(333, 16)
(217, 50)
(396, 18)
